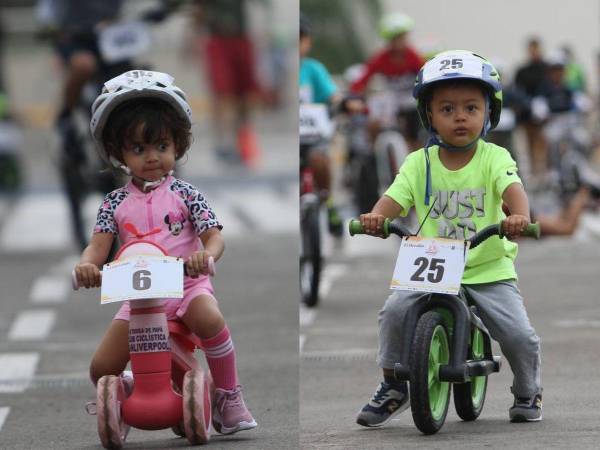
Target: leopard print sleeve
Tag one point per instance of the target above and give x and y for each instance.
(105, 220)
(201, 214)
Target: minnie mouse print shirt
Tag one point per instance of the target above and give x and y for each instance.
(172, 215)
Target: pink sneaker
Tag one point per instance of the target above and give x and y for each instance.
(230, 414)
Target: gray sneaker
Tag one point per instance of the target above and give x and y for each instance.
(386, 403)
(526, 409)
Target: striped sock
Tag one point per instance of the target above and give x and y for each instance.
(220, 355)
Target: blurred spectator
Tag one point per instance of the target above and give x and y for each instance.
(228, 56)
(528, 79)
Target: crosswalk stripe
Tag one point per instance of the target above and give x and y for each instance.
(40, 221)
(49, 289)
(4, 410)
(17, 371)
(269, 211)
(32, 325)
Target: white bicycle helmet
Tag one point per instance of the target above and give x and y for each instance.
(130, 85)
(459, 64)
(455, 65)
(394, 24)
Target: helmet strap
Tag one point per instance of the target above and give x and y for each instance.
(145, 183)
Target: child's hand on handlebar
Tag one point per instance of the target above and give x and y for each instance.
(514, 224)
(197, 264)
(88, 275)
(373, 224)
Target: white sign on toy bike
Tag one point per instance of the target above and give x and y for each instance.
(430, 265)
(142, 277)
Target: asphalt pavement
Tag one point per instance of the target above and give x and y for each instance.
(338, 371)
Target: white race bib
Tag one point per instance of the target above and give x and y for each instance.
(430, 265)
(142, 277)
(315, 121)
(123, 41)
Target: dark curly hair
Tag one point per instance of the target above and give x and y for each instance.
(159, 119)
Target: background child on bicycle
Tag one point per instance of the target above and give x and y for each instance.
(317, 86)
(141, 123)
(464, 181)
(398, 62)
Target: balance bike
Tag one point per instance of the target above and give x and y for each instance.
(450, 345)
(169, 388)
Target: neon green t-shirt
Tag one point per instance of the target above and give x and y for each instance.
(466, 201)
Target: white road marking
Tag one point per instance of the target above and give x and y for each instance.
(307, 315)
(301, 341)
(357, 246)
(38, 222)
(577, 323)
(341, 353)
(50, 289)
(21, 232)
(269, 211)
(330, 273)
(4, 410)
(32, 325)
(17, 370)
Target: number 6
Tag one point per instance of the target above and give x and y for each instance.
(141, 280)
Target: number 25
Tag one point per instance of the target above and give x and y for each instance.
(435, 267)
(455, 63)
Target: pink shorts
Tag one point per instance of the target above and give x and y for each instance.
(177, 307)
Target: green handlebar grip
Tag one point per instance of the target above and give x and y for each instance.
(532, 230)
(355, 227)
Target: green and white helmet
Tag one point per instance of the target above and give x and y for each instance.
(394, 24)
(453, 65)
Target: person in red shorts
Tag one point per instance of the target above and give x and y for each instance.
(228, 57)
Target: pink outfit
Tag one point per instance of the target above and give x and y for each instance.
(176, 213)
(220, 356)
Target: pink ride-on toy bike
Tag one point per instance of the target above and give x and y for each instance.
(169, 388)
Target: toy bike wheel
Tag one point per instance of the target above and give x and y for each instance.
(310, 259)
(469, 397)
(197, 412)
(109, 396)
(429, 395)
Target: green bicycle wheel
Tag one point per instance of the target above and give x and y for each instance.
(429, 395)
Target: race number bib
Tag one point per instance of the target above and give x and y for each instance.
(315, 121)
(142, 277)
(430, 265)
(123, 41)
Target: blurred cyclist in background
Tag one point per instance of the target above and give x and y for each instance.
(228, 56)
(316, 86)
(574, 71)
(399, 63)
(75, 28)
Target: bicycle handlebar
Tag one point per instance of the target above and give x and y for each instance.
(211, 272)
(532, 230)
